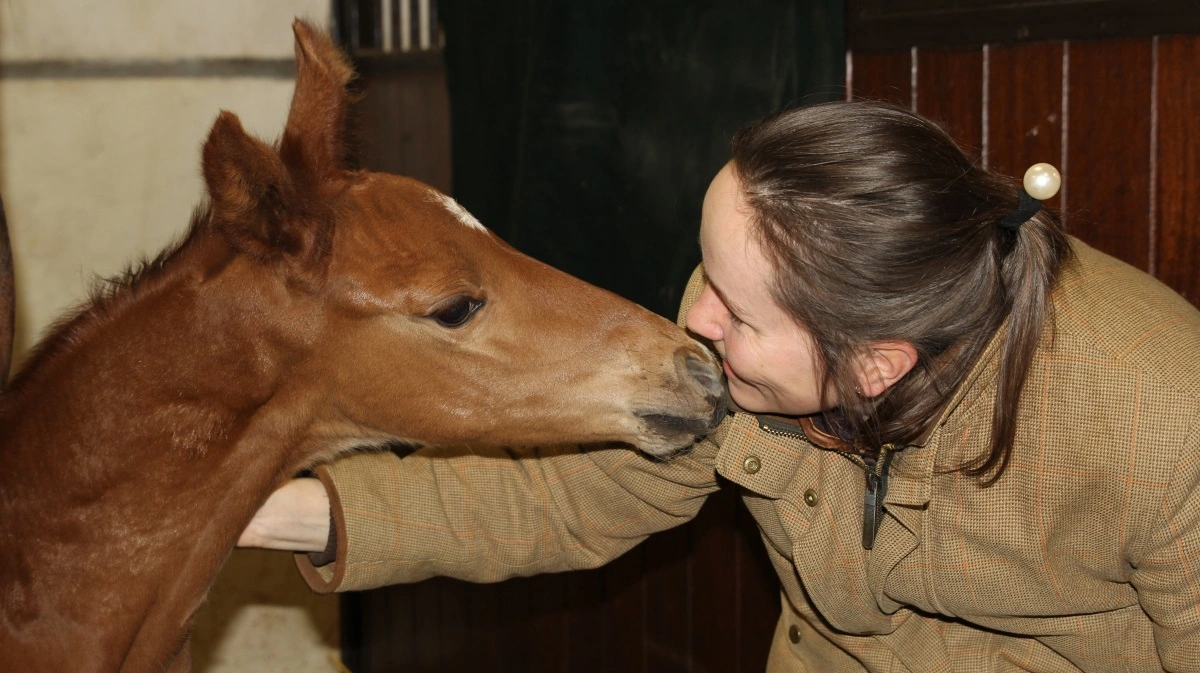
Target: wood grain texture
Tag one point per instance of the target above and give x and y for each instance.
(403, 119)
(546, 636)
(1108, 158)
(714, 584)
(669, 615)
(885, 77)
(1024, 102)
(514, 622)
(425, 645)
(950, 92)
(758, 607)
(1178, 152)
(625, 591)
(883, 25)
(480, 639)
(587, 623)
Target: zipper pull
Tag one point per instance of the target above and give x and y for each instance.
(873, 497)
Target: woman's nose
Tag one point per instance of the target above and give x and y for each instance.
(703, 318)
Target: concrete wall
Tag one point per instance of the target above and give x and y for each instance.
(103, 109)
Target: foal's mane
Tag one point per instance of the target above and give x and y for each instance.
(107, 296)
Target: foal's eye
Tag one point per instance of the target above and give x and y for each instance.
(457, 312)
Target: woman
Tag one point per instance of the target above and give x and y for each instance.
(970, 442)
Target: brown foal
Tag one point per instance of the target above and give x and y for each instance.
(311, 309)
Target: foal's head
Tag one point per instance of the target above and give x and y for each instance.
(411, 321)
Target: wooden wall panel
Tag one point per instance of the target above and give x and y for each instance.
(758, 598)
(546, 637)
(587, 623)
(403, 119)
(1024, 108)
(1178, 157)
(667, 627)
(1118, 117)
(424, 637)
(1108, 146)
(714, 587)
(624, 585)
(480, 639)
(886, 77)
(950, 92)
(888, 25)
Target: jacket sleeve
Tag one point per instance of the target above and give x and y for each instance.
(1167, 574)
(486, 515)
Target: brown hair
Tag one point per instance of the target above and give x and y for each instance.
(880, 228)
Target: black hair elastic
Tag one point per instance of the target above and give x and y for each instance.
(1027, 207)
(1041, 182)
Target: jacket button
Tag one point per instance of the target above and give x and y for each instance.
(810, 498)
(794, 634)
(752, 464)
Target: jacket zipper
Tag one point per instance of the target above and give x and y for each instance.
(877, 478)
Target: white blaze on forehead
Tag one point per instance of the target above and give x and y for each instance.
(459, 212)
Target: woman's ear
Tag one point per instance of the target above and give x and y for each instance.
(883, 364)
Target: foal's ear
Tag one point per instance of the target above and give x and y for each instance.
(276, 205)
(314, 140)
(258, 206)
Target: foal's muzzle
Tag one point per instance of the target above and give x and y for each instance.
(702, 376)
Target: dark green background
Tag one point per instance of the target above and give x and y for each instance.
(585, 133)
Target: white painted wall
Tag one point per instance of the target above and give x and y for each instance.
(151, 29)
(96, 172)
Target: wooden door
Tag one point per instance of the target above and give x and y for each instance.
(1105, 90)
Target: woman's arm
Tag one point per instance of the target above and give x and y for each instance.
(295, 518)
(486, 515)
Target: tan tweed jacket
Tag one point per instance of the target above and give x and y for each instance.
(1084, 556)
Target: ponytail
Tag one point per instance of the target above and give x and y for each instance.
(1028, 270)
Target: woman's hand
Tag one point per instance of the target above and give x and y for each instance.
(294, 518)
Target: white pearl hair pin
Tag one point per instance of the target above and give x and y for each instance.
(1042, 181)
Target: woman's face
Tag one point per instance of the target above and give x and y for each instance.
(768, 357)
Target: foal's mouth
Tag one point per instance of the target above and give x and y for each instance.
(670, 425)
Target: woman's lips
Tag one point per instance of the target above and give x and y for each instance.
(729, 370)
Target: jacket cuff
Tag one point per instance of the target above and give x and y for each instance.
(324, 571)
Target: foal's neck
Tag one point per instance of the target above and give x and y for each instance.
(165, 394)
(138, 447)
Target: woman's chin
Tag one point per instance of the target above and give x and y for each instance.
(745, 399)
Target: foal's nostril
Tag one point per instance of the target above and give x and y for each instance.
(707, 374)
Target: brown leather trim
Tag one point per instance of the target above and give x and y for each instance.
(311, 574)
(821, 438)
